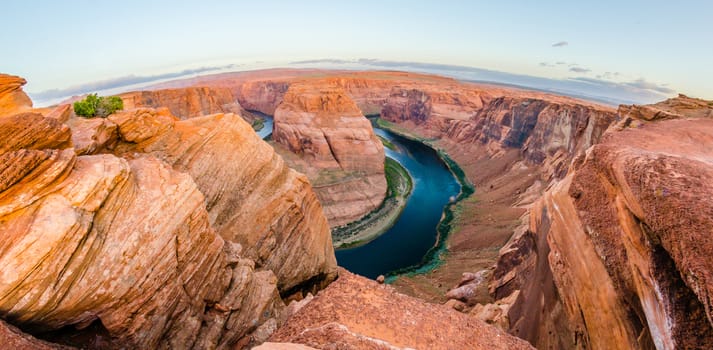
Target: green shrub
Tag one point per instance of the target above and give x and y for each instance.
(95, 106)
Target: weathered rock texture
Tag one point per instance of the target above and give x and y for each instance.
(618, 254)
(262, 96)
(252, 197)
(548, 133)
(184, 236)
(337, 148)
(13, 338)
(357, 313)
(12, 99)
(185, 102)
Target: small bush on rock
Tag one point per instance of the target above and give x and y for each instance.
(95, 106)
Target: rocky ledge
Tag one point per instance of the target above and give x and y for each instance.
(357, 313)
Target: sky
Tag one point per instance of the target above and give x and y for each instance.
(646, 48)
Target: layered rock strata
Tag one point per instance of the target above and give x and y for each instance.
(12, 99)
(252, 197)
(143, 231)
(191, 102)
(617, 254)
(185, 102)
(337, 149)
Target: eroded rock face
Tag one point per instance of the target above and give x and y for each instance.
(358, 313)
(88, 238)
(619, 251)
(262, 96)
(252, 197)
(548, 133)
(680, 107)
(12, 99)
(337, 148)
(186, 102)
(153, 233)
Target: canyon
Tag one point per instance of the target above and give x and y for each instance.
(589, 226)
(582, 198)
(148, 230)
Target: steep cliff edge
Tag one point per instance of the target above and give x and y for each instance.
(188, 102)
(335, 146)
(546, 131)
(617, 254)
(153, 233)
(510, 147)
(261, 96)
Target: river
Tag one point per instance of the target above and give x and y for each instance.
(267, 125)
(414, 233)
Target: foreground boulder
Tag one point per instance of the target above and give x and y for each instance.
(618, 254)
(13, 338)
(358, 313)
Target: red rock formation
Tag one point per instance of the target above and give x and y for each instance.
(344, 158)
(251, 195)
(13, 338)
(185, 102)
(545, 131)
(261, 96)
(680, 107)
(183, 238)
(619, 250)
(357, 313)
(12, 99)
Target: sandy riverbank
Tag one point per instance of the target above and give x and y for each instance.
(374, 224)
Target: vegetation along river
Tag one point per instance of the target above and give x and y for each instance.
(415, 232)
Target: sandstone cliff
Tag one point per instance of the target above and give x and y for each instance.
(261, 96)
(337, 149)
(185, 102)
(252, 197)
(12, 99)
(617, 254)
(145, 231)
(547, 132)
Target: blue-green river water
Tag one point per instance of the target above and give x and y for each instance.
(414, 233)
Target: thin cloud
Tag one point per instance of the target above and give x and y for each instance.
(605, 91)
(546, 64)
(580, 70)
(636, 85)
(643, 84)
(609, 75)
(323, 60)
(560, 44)
(119, 82)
